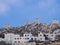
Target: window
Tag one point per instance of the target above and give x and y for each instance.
(40, 35)
(27, 38)
(20, 38)
(15, 38)
(28, 35)
(31, 38)
(40, 38)
(55, 33)
(25, 35)
(46, 35)
(15, 41)
(18, 41)
(51, 35)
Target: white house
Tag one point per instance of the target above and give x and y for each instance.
(28, 36)
(9, 37)
(57, 34)
(50, 36)
(17, 40)
(41, 37)
(13, 39)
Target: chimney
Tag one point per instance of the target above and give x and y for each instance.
(36, 21)
(55, 21)
(27, 23)
(7, 26)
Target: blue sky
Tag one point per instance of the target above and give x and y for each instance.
(16, 12)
